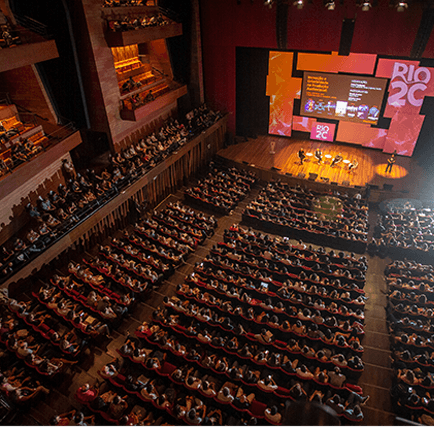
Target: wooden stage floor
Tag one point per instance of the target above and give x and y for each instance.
(405, 175)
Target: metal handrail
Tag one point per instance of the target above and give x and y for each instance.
(63, 132)
(33, 25)
(174, 16)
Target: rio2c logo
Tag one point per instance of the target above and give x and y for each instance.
(408, 79)
(322, 131)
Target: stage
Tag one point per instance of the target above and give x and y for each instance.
(405, 176)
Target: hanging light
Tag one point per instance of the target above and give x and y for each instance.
(330, 5)
(269, 3)
(366, 5)
(299, 4)
(401, 6)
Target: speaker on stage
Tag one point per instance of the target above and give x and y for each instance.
(346, 183)
(334, 183)
(273, 168)
(387, 187)
(313, 176)
(288, 173)
(301, 175)
(325, 179)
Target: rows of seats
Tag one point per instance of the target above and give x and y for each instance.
(222, 189)
(52, 218)
(236, 335)
(184, 220)
(17, 150)
(154, 148)
(136, 22)
(49, 333)
(30, 334)
(144, 97)
(62, 210)
(405, 232)
(409, 316)
(120, 3)
(8, 36)
(140, 259)
(122, 403)
(335, 219)
(131, 84)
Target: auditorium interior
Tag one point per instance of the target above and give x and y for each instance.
(216, 212)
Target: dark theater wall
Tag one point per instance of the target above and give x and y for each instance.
(226, 25)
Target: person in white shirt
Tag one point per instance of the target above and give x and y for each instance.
(224, 395)
(273, 415)
(267, 384)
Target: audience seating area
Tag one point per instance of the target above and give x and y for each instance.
(120, 3)
(410, 310)
(222, 189)
(335, 219)
(141, 98)
(43, 336)
(59, 212)
(234, 345)
(405, 232)
(143, 79)
(8, 36)
(16, 147)
(136, 22)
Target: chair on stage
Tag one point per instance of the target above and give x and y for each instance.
(353, 165)
(336, 160)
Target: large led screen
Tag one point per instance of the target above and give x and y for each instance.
(342, 97)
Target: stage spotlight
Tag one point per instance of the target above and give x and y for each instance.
(330, 5)
(366, 5)
(299, 4)
(269, 3)
(401, 6)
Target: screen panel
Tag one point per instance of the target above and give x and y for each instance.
(403, 133)
(356, 63)
(303, 124)
(282, 89)
(342, 97)
(361, 134)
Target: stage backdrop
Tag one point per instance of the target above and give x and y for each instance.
(363, 99)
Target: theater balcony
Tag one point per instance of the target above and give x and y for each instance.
(115, 36)
(28, 45)
(151, 100)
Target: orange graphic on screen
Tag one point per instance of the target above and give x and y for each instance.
(354, 63)
(403, 133)
(361, 134)
(303, 124)
(282, 89)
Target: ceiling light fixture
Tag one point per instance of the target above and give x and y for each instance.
(401, 6)
(269, 3)
(330, 5)
(299, 4)
(366, 5)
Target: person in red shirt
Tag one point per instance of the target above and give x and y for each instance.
(86, 393)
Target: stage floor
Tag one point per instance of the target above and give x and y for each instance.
(405, 174)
